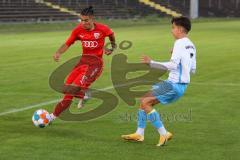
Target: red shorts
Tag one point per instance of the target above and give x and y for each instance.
(88, 69)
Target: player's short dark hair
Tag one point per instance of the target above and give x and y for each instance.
(87, 11)
(183, 22)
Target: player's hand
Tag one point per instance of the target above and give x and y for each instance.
(145, 59)
(108, 51)
(56, 56)
(171, 51)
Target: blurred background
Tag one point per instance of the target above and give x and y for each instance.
(67, 10)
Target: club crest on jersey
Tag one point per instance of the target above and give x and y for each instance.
(96, 35)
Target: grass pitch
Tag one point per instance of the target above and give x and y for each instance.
(204, 122)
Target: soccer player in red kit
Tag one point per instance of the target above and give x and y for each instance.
(92, 36)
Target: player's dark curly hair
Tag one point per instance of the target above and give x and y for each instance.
(87, 11)
(183, 22)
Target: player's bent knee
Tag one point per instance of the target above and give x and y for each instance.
(145, 102)
(76, 90)
(146, 108)
(73, 90)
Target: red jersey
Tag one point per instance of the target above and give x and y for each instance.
(92, 41)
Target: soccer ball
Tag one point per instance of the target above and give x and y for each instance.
(41, 118)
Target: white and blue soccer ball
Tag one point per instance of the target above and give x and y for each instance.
(41, 118)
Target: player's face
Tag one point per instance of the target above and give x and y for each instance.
(177, 31)
(87, 22)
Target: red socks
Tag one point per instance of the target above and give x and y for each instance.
(63, 105)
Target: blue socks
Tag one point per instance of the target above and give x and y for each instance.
(155, 119)
(142, 119)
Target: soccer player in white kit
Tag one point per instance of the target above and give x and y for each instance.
(180, 66)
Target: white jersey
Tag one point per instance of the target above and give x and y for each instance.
(182, 63)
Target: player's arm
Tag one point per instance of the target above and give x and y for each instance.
(159, 65)
(110, 34)
(112, 40)
(171, 65)
(60, 51)
(64, 47)
(163, 65)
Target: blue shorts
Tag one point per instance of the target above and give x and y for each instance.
(167, 92)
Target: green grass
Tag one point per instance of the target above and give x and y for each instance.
(211, 131)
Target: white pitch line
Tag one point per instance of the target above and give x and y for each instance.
(54, 101)
(104, 89)
(29, 107)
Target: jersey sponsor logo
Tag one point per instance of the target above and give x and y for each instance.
(90, 44)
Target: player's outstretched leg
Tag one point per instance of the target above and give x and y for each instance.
(139, 134)
(147, 103)
(61, 106)
(156, 121)
(146, 112)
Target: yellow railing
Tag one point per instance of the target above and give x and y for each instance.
(61, 9)
(160, 8)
